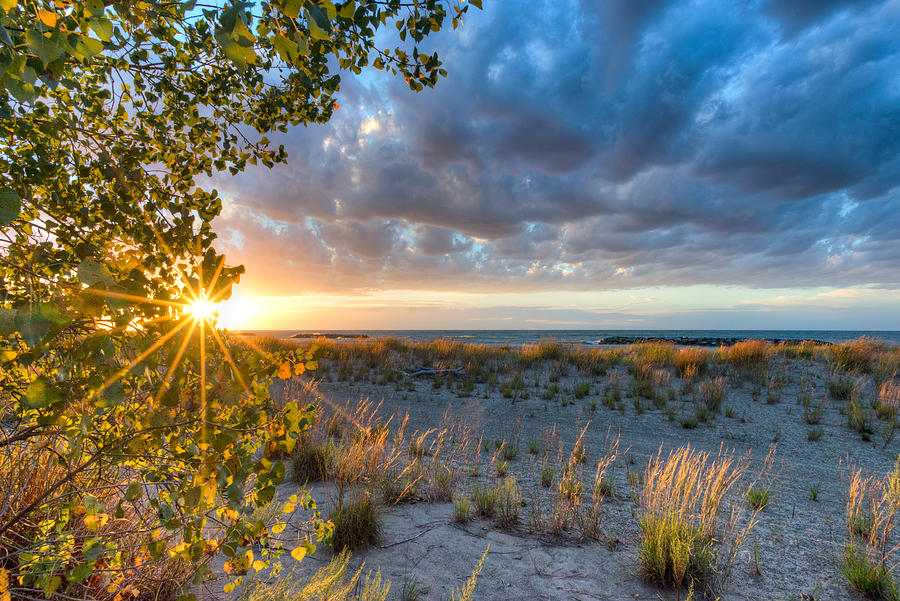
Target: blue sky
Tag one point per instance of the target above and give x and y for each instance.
(597, 164)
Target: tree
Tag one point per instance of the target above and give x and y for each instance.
(132, 429)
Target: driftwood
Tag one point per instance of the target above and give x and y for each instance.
(458, 371)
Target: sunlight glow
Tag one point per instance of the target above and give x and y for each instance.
(236, 312)
(202, 309)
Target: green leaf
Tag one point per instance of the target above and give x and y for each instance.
(287, 49)
(302, 44)
(32, 326)
(88, 46)
(264, 495)
(93, 8)
(318, 24)
(91, 272)
(134, 491)
(103, 27)
(80, 573)
(476, 4)
(43, 47)
(39, 394)
(4, 36)
(291, 8)
(51, 586)
(7, 321)
(93, 549)
(23, 91)
(348, 9)
(111, 396)
(242, 56)
(156, 548)
(10, 206)
(241, 34)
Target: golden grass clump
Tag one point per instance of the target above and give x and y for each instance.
(331, 583)
(588, 518)
(712, 393)
(856, 356)
(691, 362)
(887, 365)
(805, 349)
(685, 541)
(656, 353)
(545, 350)
(367, 454)
(872, 508)
(595, 362)
(888, 401)
(508, 498)
(750, 355)
(364, 454)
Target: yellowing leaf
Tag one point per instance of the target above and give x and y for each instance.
(50, 587)
(246, 559)
(47, 18)
(299, 553)
(259, 565)
(278, 528)
(96, 521)
(7, 5)
(284, 372)
(299, 368)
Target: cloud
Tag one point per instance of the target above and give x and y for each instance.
(583, 145)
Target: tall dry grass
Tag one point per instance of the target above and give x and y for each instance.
(655, 354)
(750, 355)
(371, 453)
(872, 508)
(887, 401)
(689, 537)
(856, 356)
(29, 477)
(332, 582)
(691, 362)
(588, 519)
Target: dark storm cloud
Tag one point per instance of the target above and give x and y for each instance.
(795, 15)
(589, 144)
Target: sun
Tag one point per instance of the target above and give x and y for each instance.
(202, 309)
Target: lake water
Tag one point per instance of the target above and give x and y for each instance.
(520, 337)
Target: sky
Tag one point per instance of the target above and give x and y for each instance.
(595, 164)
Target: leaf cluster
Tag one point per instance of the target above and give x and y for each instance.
(148, 435)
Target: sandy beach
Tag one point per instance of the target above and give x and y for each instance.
(541, 415)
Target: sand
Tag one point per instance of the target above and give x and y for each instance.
(795, 544)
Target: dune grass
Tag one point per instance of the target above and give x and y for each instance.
(686, 542)
(691, 362)
(330, 583)
(872, 509)
(750, 355)
(357, 524)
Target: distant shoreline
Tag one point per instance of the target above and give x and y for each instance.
(703, 338)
